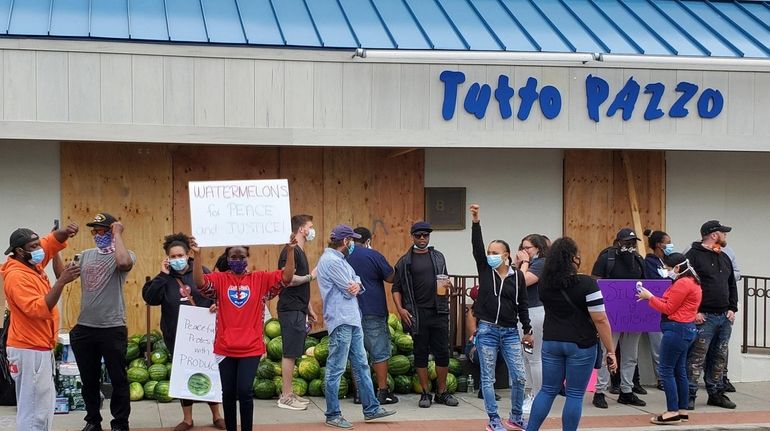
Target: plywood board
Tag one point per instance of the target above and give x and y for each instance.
(133, 183)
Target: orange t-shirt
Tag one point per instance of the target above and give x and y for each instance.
(33, 325)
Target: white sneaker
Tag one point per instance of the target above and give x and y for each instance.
(291, 403)
(527, 406)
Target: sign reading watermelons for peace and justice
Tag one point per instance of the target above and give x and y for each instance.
(195, 371)
(247, 212)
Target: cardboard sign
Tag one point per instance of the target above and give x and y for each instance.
(248, 212)
(626, 314)
(194, 370)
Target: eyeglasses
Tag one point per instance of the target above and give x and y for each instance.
(419, 235)
(527, 248)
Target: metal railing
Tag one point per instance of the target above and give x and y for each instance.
(755, 318)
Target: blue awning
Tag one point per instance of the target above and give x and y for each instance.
(652, 27)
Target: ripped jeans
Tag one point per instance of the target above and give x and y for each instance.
(490, 339)
(709, 352)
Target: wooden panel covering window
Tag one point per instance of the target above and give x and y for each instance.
(598, 202)
(145, 186)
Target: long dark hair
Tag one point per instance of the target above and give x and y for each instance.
(221, 264)
(559, 268)
(538, 241)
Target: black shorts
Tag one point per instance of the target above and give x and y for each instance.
(432, 337)
(293, 332)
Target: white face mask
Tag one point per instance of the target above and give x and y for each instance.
(310, 234)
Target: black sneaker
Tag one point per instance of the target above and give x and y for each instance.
(691, 403)
(599, 401)
(720, 400)
(92, 427)
(356, 397)
(631, 399)
(385, 396)
(660, 385)
(614, 389)
(638, 389)
(446, 399)
(425, 400)
(481, 396)
(729, 386)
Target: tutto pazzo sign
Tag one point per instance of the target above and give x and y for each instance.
(601, 100)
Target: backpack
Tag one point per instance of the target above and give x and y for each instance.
(7, 384)
(612, 254)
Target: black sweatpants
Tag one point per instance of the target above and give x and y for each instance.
(237, 376)
(90, 345)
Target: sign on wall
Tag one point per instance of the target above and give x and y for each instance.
(248, 212)
(625, 313)
(601, 100)
(194, 370)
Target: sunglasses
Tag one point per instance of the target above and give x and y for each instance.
(421, 235)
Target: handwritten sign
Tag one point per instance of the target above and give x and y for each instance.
(194, 370)
(225, 213)
(623, 310)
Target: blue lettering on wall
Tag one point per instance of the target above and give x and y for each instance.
(710, 103)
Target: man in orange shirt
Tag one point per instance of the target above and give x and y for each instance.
(34, 321)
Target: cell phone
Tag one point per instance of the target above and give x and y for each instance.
(528, 348)
(76, 259)
(639, 286)
(56, 224)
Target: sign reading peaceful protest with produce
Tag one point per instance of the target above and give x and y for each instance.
(226, 213)
(626, 314)
(195, 372)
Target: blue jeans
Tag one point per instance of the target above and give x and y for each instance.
(563, 360)
(713, 341)
(490, 339)
(672, 365)
(347, 339)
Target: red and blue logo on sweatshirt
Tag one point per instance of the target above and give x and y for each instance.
(238, 295)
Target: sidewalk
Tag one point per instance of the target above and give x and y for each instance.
(753, 413)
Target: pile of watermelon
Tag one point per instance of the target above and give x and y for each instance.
(310, 370)
(148, 371)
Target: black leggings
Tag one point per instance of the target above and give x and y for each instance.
(237, 375)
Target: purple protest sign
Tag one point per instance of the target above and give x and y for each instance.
(623, 310)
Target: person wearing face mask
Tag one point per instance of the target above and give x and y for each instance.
(101, 328)
(655, 269)
(678, 307)
(500, 306)
(34, 324)
(240, 297)
(423, 306)
(715, 316)
(340, 286)
(295, 312)
(171, 289)
(621, 261)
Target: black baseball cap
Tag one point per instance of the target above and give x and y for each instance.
(102, 220)
(626, 234)
(421, 226)
(19, 237)
(712, 226)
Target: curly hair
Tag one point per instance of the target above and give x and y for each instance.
(176, 240)
(559, 268)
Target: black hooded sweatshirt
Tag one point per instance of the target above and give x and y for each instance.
(717, 280)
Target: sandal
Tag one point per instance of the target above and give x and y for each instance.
(183, 426)
(220, 424)
(684, 418)
(659, 420)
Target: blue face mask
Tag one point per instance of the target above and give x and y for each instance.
(37, 256)
(103, 241)
(668, 249)
(494, 260)
(351, 247)
(178, 264)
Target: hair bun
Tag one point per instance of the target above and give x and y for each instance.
(647, 232)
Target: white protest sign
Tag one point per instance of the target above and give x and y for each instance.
(194, 370)
(248, 212)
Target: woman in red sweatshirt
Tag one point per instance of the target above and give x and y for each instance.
(678, 308)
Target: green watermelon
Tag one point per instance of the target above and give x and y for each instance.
(275, 348)
(403, 384)
(158, 372)
(299, 386)
(138, 375)
(265, 370)
(398, 365)
(398, 327)
(277, 369)
(309, 368)
(455, 367)
(264, 389)
(391, 332)
(161, 392)
(149, 390)
(462, 383)
(310, 351)
(199, 384)
(295, 372)
(393, 349)
(310, 342)
(343, 392)
(168, 369)
(138, 363)
(392, 319)
(266, 340)
(432, 370)
(135, 391)
(132, 351)
(159, 345)
(404, 343)
(316, 388)
(451, 383)
(348, 370)
(278, 383)
(273, 328)
(158, 335)
(322, 373)
(136, 338)
(321, 352)
(416, 386)
(152, 337)
(159, 357)
(391, 383)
